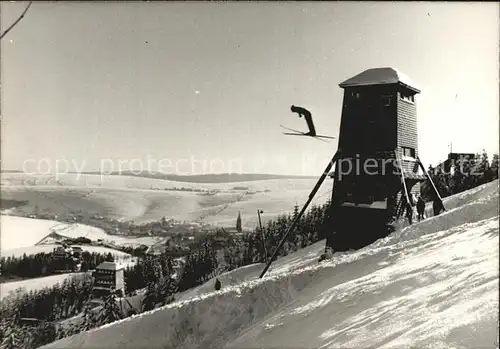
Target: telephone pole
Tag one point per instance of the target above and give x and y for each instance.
(259, 211)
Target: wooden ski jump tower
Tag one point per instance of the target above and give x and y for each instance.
(378, 167)
(376, 164)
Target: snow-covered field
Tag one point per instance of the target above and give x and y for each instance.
(434, 285)
(22, 234)
(18, 232)
(143, 199)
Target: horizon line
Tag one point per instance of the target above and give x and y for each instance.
(130, 172)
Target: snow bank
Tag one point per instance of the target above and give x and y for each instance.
(301, 258)
(470, 206)
(435, 283)
(205, 321)
(442, 292)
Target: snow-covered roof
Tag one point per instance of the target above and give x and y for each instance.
(109, 266)
(380, 76)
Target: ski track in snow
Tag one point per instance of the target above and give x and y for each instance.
(431, 285)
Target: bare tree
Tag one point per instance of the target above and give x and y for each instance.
(16, 21)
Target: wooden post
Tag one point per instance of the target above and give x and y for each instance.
(402, 179)
(259, 211)
(311, 196)
(432, 183)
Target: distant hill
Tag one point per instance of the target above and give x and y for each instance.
(11, 171)
(214, 178)
(206, 178)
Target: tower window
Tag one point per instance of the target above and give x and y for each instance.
(409, 152)
(386, 101)
(407, 97)
(355, 95)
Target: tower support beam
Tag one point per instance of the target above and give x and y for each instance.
(294, 223)
(432, 182)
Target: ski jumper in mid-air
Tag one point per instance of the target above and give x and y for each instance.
(307, 115)
(312, 130)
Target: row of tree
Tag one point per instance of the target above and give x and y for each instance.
(206, 261)
(41, 264)
(151, 269)
(50, 304)
(161, 286)
(466, 174)
(199, 266)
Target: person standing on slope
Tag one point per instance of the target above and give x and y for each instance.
(218, 284)
(409, 208)
(420, 208)
(437, 206)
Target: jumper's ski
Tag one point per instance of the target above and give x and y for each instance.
(304, 134)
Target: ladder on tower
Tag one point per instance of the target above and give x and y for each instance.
(400, 208)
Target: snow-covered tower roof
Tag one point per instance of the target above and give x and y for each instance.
(380, 76)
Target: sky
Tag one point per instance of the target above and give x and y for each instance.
(193, 88)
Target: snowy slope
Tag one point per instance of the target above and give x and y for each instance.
(434, 284)
(18, 232)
